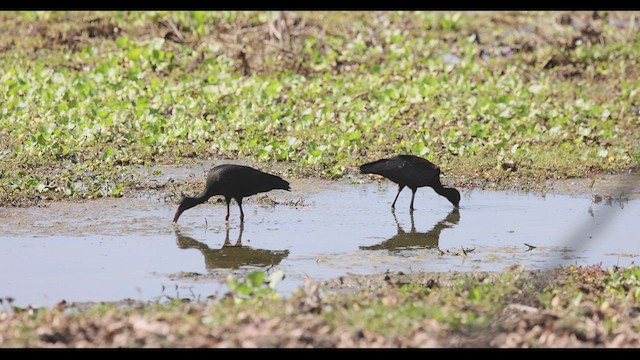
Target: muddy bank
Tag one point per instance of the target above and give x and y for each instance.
(617, 187)
(190, 176)
(568, 307)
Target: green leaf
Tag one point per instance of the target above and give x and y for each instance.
(232, 283)
(419, 148)
(353, 135)
(243, 290)
(256, 278)
(134, 54)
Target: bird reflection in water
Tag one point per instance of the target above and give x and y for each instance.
(232, 256)
(416, 240)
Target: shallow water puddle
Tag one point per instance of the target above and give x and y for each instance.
(110, 249)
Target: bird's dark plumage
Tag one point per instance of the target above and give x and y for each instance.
(413, 172)
(233, 182)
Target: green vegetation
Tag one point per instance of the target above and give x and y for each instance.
(489, 96)
(255, 285)
(564, 307)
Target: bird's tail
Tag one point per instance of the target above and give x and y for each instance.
(373, 167)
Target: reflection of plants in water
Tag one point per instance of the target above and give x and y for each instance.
(597, 199)
(232, 256)
(413, 239)
(178, 297)
(256, 285)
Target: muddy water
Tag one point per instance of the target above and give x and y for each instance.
(111, 249)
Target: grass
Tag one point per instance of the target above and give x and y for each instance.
(585, 306)
(497, 97)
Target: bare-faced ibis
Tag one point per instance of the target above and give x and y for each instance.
(413, 172)
(233, 182)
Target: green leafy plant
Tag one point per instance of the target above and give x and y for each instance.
(255, 285)
(86, 92)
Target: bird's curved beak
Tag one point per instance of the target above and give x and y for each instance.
(177, 215)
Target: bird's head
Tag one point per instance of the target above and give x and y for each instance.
(453, 196)
(185, 203)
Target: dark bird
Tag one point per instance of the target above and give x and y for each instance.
(413, 172)
(233, 182)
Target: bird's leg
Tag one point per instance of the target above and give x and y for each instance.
(227, 200)
(413, 195)
(239, 200)
(400, 187)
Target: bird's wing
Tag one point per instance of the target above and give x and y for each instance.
(247, 181)
(418, 170)
(421, 163)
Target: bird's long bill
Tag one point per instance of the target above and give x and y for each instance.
(178, 212)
